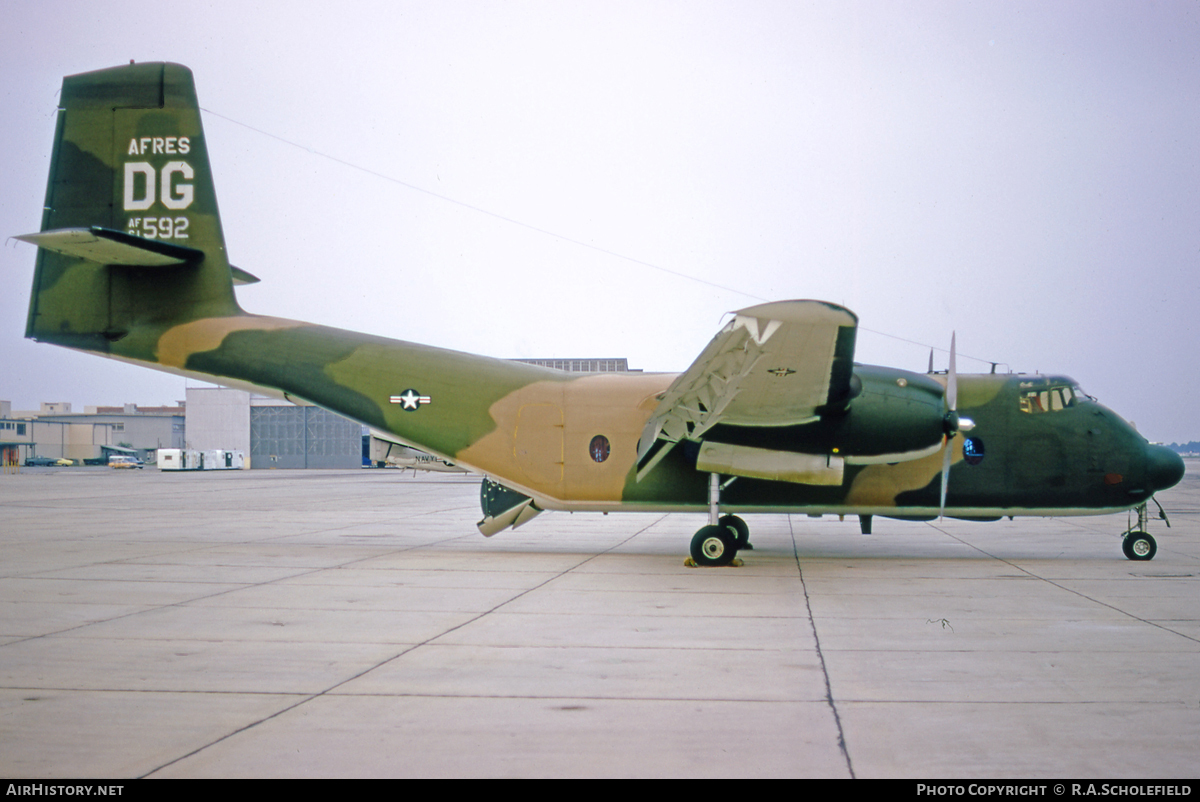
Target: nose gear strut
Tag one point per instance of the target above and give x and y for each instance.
(1136, 542)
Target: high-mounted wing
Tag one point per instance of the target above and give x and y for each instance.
(776, 364)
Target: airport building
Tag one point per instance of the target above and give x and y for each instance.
(55, 432)
(270, 432)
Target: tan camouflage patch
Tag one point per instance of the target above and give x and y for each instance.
(527, 432)
(878, 485)
(180, 342)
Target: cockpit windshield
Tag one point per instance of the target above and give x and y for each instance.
(1054, 398)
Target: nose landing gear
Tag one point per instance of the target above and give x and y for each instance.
(1137, 543)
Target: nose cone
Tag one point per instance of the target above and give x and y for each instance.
(1164, 468)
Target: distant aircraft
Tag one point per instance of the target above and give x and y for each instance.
(774, 416)
(390, 452)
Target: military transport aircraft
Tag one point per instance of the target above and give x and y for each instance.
(774, 416)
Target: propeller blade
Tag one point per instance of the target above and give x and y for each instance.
(952, 379)
(946, 457)
(952, 422)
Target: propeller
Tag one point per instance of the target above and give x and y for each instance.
(952, 424)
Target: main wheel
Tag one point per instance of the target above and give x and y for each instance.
(741, 532)
(713, 546)
(1139, 546)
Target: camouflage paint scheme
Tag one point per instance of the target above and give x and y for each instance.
(132, 265)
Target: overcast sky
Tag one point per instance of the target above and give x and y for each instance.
(597, 179)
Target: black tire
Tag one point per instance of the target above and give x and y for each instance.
(741, 532)
(1139, 546)
(713, 546)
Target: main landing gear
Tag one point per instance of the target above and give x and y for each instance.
(1137, 543)
(718, 543)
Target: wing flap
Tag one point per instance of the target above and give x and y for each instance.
(775, 364)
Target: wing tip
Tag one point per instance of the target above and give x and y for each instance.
(802, 309)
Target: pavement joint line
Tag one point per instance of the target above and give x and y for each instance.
(240, 586)
(1060, 586)
(812, 621)
(319, 694)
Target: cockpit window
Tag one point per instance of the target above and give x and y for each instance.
(1047, 399)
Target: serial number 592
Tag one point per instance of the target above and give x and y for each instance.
(159, 227)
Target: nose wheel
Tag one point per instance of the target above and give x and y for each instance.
(1139, 546)
(1137, 543)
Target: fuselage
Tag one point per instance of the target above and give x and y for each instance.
(1039, 446)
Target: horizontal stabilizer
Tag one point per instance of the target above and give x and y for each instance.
(242, 277)
(108, 247)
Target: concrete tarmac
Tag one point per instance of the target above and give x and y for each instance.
(354, 623)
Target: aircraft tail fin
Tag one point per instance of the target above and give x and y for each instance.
(131, 239)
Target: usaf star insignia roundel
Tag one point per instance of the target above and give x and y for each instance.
(409, 400)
